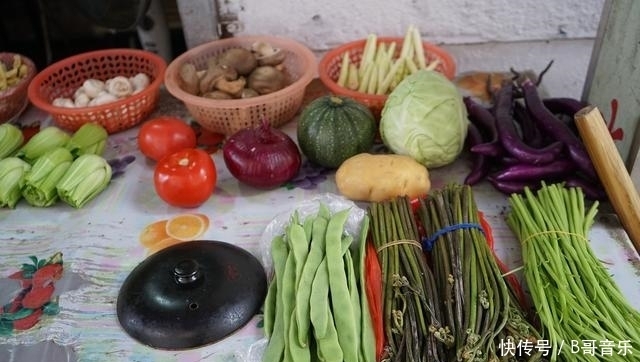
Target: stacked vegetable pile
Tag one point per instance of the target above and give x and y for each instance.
(315, 307)
(519, 141)
(52, 165)
(478, 305)
(443, 296)
(382, 67)
(575, 297)
(414, 329)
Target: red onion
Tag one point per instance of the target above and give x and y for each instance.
(262, 157)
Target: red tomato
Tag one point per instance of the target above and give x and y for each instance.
(185, 178)
(162, 136)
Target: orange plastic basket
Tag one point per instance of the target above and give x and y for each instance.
(330, 64)
(64, 77)
(14, 98)
(228, 116)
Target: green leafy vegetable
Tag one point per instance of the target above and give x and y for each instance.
(88, 175)
(41, 180)
(12, 172)
(425, 118)
(42, 143)
(89, 138)
(11, 139)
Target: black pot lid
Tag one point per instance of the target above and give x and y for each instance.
(191, 294)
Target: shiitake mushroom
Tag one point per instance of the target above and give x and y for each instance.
(240, 59)
(266, 54)
(248, 93)
(217, 94)
(237, 73)
(266, 79)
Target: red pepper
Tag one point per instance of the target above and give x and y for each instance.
(486, 228)
(373, 286)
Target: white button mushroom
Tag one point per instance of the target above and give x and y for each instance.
(119, 86)
(81, 99)
(92, 87)
(139, 82)
(102, 98)
(63, 102)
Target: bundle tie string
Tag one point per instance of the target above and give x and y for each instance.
(427, 243)
(560, 232)
(399, 242)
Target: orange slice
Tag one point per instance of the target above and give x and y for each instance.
(162, 244)
(153, 233)
(187, 227)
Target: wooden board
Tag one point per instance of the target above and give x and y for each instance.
(613, 80)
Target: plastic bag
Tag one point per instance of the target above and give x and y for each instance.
(305, 209)
(277, 226)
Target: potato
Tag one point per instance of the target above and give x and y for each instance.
(379, 177)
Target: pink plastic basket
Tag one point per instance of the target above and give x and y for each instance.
(228, 116)
(63, 78)
(329, 69)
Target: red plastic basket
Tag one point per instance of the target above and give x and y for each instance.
(14, 99)
(329, 68)
(228, 116)
(63, 78)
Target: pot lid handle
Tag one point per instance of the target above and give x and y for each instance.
(186, 272)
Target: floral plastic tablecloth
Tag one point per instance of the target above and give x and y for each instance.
(101, 246)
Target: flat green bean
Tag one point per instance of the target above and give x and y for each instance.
(323, 211)
(297, 352)
(314, 258)
(319, 301)
(275, 347)
(287, 298)
(354, 296)
(340, 298)
(329, 349)
(300, 249)
(367, 337)
(269, 308)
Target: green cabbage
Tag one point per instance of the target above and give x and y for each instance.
(424, 117)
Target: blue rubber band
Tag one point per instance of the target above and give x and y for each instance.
(427, 243)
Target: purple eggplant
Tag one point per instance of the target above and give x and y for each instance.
(531, 134)
(513, 187)
(509, 137)
(590, 189)
(564, 105)
(529, 172)
(551, 125)
(480, 164)
(486, 123)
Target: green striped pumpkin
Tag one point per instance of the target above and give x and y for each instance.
(334, 128)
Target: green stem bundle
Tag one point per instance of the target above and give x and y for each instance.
(576, 299)
(478, 304)
(413, 327)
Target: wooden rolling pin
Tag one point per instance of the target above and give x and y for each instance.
(611, 169)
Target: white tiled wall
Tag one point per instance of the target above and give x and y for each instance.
(482, 35)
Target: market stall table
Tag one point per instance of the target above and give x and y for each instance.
(100, 247)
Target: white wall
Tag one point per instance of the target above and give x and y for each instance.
(482, 35)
